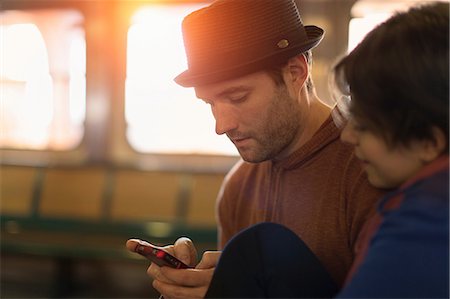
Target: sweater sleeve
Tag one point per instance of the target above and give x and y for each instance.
(408, 256)
(223, 228)
(225, 207)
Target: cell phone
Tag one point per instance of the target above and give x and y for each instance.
(158, 256)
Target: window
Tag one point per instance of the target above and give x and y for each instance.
(359, 27)
(369, 13)
(161, 116)
(42, 79)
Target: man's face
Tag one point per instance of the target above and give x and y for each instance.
(261, 119)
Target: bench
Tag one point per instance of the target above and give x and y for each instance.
(71, 213)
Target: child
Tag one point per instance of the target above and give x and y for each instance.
(398, 82)
(398, 79)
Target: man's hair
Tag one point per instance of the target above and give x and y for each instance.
(398, 76)
(277, 74)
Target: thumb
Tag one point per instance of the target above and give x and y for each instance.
(209, 260)
(185, 251)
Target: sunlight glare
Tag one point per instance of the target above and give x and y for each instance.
(31, 112)
(359, 27)
(21, 63)
(43, 95)
(77, 84)
(161, 116)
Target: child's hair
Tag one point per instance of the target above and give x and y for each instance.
(398, 76)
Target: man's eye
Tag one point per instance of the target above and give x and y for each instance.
(238, 99)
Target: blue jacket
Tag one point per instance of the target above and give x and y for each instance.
(407, 253)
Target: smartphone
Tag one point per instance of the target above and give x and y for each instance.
(159, 256)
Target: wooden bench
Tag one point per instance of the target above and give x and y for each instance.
(71, 213)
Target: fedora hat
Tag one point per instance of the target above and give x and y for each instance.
(232, 38)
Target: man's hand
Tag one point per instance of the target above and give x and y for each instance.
(184, 283)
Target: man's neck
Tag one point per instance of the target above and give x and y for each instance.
(317, 113)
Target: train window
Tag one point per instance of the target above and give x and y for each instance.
(360, 26)
(42, 82)
(366, 14)
(161, 116)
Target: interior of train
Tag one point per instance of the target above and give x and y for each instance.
(98, 144)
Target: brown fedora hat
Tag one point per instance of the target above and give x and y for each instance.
(232, 38)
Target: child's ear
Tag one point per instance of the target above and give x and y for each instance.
(433, 148)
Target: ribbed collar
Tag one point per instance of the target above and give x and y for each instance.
(326, 134)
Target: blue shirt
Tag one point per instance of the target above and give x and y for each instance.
(408, 256)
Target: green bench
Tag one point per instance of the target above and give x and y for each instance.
(73, 213)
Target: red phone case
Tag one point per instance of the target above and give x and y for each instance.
(159, 256)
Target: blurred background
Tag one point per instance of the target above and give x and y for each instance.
(98, 144)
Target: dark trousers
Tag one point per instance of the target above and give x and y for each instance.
(269, 261)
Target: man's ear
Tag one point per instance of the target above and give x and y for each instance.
(433, 148)
(298, 70)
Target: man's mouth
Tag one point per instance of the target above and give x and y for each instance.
(239, 141)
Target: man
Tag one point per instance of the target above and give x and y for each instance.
(251, 61)
(405, 147)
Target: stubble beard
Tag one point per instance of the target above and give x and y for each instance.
(277, 131)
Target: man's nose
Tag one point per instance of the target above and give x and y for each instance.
(226, 118)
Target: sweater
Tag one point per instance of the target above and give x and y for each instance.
(320, 192)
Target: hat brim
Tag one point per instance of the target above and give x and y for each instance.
(192, 79)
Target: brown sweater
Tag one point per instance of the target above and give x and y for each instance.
(320, 192)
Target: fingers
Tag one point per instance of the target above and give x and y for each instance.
(169, 291)
(188, 277)
(186, 283)
(185, 250)
(154, 271)
(132, 243)
(180, 283)
(209, 260)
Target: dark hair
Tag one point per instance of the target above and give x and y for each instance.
(277, 74)
(398, 76)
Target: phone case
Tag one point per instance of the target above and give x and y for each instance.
(159, 256)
